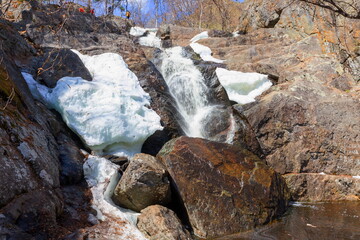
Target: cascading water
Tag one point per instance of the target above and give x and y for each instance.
(187, 86)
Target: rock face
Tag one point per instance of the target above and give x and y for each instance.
(58, 63)
(230, 190)
(327, 187)
(145, 182)
(31, 199)
(159, 223)
(307, 123)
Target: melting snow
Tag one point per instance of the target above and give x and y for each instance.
(205, 53)
(109, 113)
(102, 177)
(200, 36)
(243, 87)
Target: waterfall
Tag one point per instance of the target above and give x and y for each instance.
(187, 86)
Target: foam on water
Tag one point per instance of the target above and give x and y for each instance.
(243, 87)
(110, 113)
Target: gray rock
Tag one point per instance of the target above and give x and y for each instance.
(160, 223)
(144, 183)
(58, 63)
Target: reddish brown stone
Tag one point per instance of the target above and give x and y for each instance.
(159, 223)
(225, 188)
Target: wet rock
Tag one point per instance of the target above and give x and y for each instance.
(144, 183)
(162, 102)
(160, 223)
(164, 33)
(327, 187)
(225, 189)
(58, 63)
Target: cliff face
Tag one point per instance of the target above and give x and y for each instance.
(307, 124)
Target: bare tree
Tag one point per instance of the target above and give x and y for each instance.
(347, 8)
(138, 13)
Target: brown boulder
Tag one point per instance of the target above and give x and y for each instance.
(160, 223)
(225, 188)
(144, 183)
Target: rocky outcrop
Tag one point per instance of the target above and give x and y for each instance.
(145, 182)
(307, 123)
(231, 189)
(56, 29)
(31, 199)
(57, 63)
(160, 223)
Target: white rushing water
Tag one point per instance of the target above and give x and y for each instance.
(149, 40)
(110, 112)
(186, 85)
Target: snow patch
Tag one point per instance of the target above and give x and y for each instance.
(102, 177)
(110, 113)
(235, 34)
(200, 36)
(356, 177)
(243, 87)
(137, 31)
(205, 53)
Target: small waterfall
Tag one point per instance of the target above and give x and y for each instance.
(187, 86)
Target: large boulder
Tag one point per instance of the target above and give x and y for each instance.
(160, 223)
(225, 189)
(145, 182)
